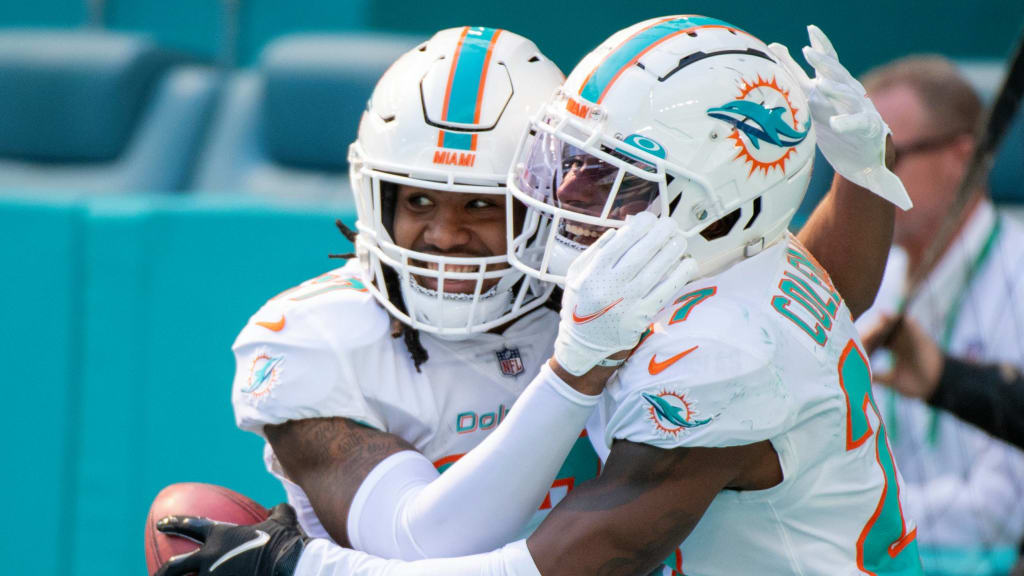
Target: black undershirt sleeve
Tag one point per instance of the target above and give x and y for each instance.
(989, 396)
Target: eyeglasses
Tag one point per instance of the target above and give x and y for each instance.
(923, 145)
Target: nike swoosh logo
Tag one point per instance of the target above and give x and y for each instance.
(273, 326)
(260, 539)
(584, 319)
(655, 367)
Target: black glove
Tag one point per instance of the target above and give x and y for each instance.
(270, 548)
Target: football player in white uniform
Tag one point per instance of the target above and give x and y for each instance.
(358, 465)
(743, 425)
(355, 416)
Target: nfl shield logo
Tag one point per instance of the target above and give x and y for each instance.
(510, 361)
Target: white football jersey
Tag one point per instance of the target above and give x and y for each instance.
(324, 349)
(767, 351)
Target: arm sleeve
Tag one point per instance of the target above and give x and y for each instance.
(404, 509)
(323, 558)
(989, 396)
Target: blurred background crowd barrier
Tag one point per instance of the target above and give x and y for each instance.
(166, 167)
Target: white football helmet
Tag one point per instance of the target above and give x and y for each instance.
(688, 117)
(447, 116)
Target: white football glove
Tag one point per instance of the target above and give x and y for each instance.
(851, 133)
(615, 288)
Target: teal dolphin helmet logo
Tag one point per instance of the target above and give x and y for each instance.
(671, 412)
(766, 130)
(759, 123)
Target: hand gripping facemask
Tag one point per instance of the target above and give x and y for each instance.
(688, 117)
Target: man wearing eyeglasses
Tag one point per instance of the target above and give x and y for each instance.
(965, 488)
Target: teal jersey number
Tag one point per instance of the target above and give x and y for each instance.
(885, 547)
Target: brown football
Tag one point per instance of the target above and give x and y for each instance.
(194, 499)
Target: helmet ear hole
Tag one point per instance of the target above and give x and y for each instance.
(672, 205)
(757, 212)
(669, 178)
(722, 226)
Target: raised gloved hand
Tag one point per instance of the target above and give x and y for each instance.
(270, 548)
(615, 288)
(851, 133)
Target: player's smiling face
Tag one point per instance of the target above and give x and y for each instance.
(452, 224)
(585, 186)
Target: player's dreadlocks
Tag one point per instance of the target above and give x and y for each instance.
(391, 285)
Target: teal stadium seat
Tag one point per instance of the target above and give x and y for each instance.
(283, 128)
(98, 112)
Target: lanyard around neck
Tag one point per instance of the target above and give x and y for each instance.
(972, 271)
(950, 326)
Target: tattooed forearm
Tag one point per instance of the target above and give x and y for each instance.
(329, 458)
(645, 503)
(642, 558)
(631, 472)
